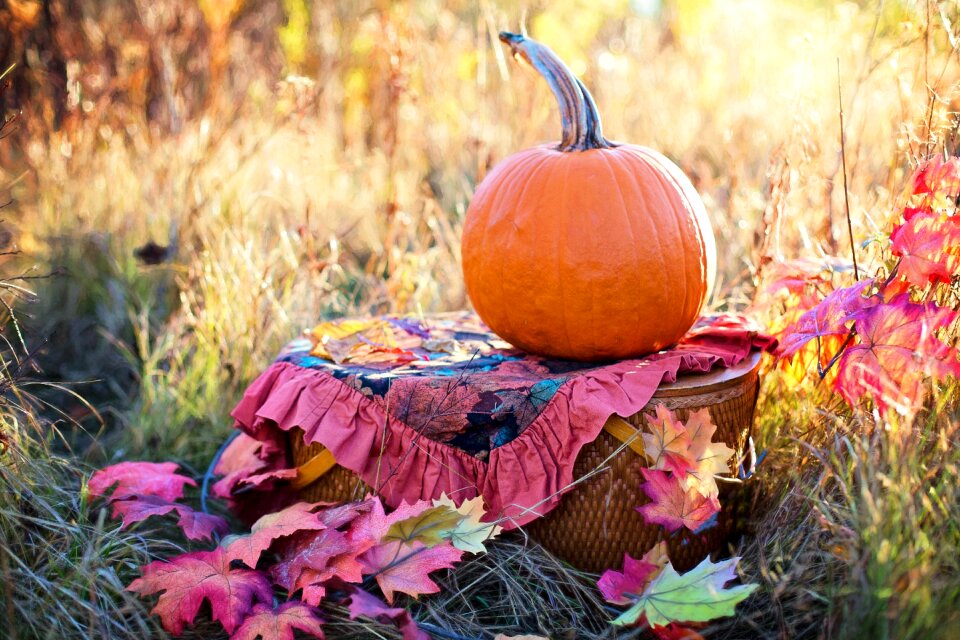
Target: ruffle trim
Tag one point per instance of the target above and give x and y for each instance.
(520, 481)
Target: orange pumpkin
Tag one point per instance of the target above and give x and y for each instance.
(590, 249)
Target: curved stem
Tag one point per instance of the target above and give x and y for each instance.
(578, 111)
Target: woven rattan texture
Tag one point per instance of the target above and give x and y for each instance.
(337, 485)
(596, 522)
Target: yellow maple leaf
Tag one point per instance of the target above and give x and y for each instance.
(710, 459)
(667, 445)
(470, 533)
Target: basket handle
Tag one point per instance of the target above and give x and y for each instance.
(314, 469)
(624, 432)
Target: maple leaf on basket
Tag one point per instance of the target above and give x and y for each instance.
(897, 348)
(268, 623)
(667, 445)
(369, 606)
(196, 525)
(672, 504)
(297, 517)
(698, 595)
(186, 581)
(830, 317)
(929, 248)
(140, 479)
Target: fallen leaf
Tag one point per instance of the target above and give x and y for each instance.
(405, 566)
(279, 624)
(295, 518)
(196, 525)
(140, 479)
(470, 532)
(368, 606)
(624, 588)
(696, 596)
(186, 581)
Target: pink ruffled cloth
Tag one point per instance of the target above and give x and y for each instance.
(520, 471)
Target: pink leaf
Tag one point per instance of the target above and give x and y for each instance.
(405, 567)
(188, 580)
(897, 349)
(243, 460)
(672, 504)
(929, 248)
(295, 518)
(616, 586)
(315, 558)
(368, 606)
(140, 479)
(830, 317)
(196, 525)
(279, 623)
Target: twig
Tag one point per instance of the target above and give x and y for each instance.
(846, 190)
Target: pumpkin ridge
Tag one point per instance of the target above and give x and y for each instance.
(530, 178)
(644, 197)
(501, 191)
(623, 203)
(563, 233)
(680, 188)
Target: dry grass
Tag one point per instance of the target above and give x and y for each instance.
(285, 200)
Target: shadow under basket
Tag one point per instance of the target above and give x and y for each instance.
(597, 522)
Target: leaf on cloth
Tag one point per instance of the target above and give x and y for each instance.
(672, 504)
(186, 581)
(196, 525)
(929, 248)
(830, 317)
(295, 518)
(405, 566)
(897, 349)
(411, 325)
(140, 479)
(696, 596)
(368, 606)
(470, 532)
(279, 624)
(624, 588)
(667, 444)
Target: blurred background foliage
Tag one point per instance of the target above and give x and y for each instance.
(205, 178)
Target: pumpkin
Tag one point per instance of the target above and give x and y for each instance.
(587, 249)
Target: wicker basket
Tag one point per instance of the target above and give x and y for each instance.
(596, 522)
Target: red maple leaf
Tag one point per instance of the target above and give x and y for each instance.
(616, 587)
(672, 504)
(140, 479)
(250, 462)
(186, 581)
(829, 317)
(196, 525)
(368, 606)
(674, 631)
(935, 176)
(405, 566)
(316, 557)
(897, 349)
(929, 248)
(279, 624)
(286, 522)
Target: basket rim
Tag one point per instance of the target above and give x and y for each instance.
(716, 380)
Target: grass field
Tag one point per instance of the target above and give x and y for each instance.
(296, 160)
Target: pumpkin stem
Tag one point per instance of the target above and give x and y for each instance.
(578, 111)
